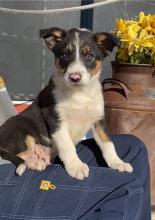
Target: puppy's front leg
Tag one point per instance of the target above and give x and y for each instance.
(108, 149)
(67, 153)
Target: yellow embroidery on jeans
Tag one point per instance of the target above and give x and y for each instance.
(47, 185)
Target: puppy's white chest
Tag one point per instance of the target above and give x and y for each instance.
(79, 113)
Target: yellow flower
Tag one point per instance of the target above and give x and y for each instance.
(132, 32)
(136, 36)
(120, 25)
(143, 20)
(145, 38)
(151, 23)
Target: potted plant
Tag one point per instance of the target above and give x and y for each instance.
(137, 39)
(134, 62)
(130, 93)
(135, 57)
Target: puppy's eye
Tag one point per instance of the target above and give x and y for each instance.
(65, 56)
(89, 56)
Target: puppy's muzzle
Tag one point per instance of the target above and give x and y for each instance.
(75, 77)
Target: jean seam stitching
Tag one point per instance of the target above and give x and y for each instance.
(36, 218)
(125, 208)
(140, 190)
(32, 217)
(9, 175)
(20, 197)
(127, 199)
(35, 213)
(130, 156)
(16, 204)
(84, 196)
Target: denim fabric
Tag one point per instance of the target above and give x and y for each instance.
(105, 195)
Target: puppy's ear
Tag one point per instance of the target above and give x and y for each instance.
(106, 42)
(52, 36)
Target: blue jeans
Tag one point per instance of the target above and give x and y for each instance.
(105, 194)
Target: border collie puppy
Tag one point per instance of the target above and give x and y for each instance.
(71, 104)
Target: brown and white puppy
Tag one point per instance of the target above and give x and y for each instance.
(70, 105)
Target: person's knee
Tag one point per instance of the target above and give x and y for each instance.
(136, 142)
(131, 143)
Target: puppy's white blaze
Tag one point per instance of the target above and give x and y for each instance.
(78, 63)
(77, 66)
(77, 46)
(21, 169)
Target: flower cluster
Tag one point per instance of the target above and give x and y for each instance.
(137, 39)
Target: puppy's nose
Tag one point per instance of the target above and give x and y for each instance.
(75, 77)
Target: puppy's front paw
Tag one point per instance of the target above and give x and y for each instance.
(122, 167)
(77, 169)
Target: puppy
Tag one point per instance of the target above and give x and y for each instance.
(71, 104)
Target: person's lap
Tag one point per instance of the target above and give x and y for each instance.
(105, 194)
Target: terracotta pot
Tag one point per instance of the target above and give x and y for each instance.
(130, 106)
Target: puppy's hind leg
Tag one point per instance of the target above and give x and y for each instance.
(35, 156)
(19, 162)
